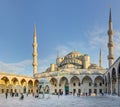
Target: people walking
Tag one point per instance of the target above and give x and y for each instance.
(22, 96)
(58, 94)
(6, 95)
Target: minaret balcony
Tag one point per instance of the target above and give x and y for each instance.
(35, 64)
(111, 44)
(110, 57)
(34, 44)
(34, 54)
(110, 32)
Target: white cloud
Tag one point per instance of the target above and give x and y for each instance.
(43, 64)
(117, 44)
(19, 68)
(99, 39)
(62, 50)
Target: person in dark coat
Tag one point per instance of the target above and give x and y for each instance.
(22, 96)
(6, 95)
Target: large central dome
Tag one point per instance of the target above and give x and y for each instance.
(73, 58)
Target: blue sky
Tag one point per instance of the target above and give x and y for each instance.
(62, 25)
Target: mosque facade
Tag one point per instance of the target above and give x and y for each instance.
(71, 74)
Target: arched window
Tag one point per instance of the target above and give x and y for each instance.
(55, 85)
(74, 84)
(100, 84)
(60, 85)
(95, 84)
(89, 83)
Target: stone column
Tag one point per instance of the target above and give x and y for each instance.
(58, 86)
(117, 85)
(92, 87)
(69, 87)
(111, 87)
(107, 87)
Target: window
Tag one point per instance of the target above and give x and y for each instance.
(90, 91)
(100, 90)
(79, 84)
(95, 91)
(89, 83)
(55, 85)
(74, 84)
(60, 85)
(100, 84)
(95, 84)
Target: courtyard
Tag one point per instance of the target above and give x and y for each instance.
(62, 101)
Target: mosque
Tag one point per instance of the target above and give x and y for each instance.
(73, 73)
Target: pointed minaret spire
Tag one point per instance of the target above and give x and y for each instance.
(35, 54)
(100, 59)
(110, 43)
(34, 30)
(110, 16)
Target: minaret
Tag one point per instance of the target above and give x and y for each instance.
(110, 43)
(100, 59)
(35, 54)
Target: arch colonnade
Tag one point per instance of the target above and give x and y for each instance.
(112, 79)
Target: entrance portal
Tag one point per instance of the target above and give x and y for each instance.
(66, 89)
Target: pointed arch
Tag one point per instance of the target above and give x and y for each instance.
(118, 72)
(5, 80)
(14, 81)
(47, 88)
(113, 74)
(75, 81)
(23, 82)
(74, 78)
(99, 78)
(114, 79)
(64, 85)
(53, 81)
(36, 82)
(30, 83)
(64, 79)
(98, 81)
(87, 79)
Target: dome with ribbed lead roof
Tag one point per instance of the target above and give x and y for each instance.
(74, 58)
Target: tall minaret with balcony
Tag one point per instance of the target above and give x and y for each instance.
(100, 59)
(110, 43)
(35, 54)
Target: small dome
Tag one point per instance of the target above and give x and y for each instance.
(93, 66)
